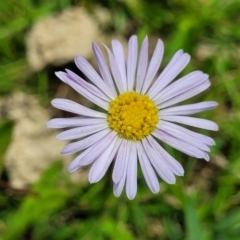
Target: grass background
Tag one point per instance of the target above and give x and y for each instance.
(202, 205)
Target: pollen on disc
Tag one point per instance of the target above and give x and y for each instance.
(133, 116)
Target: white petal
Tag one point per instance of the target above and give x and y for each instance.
(189, 109)
(80, 132)
(73, 107)
(101, 165)
(186, 95)
(81, 89)
(91, 153)
(194, 122)
(120, 60)
(182, 135)
(142, 65)
(159, 164)
(147, 169)
(132, 61)
(84, 143)
(178, 144)
(190, 80)
(153, 66)
(120, 162)
(89, 71)
(175, 166)
(88, 86)
(61, 76)
(131, 184)
(197, 136)
(115, 71)
(118, 187)
(174, 59)
(176, 65)
(181, 86)
(207, 158)
(73, 122)
(103, 67)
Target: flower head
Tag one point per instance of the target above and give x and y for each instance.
(137, 114)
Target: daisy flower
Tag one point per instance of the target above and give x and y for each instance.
(138, 114)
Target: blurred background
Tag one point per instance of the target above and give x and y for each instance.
(38, 198)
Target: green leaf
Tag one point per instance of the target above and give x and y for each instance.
(47, 197)
(171, 230)
(6, 128)
(194, 230)
(113, 231)
(229, 221)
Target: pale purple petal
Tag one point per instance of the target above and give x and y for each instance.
(206, 157)
(181, 86)
(173, 61)
(186, 95)
(189, 108)
(118, 53)
(80, 132)
(197, 136)
(103, 67)
(61, 75)
(84, 143)
(194, 122)
(101, 165)
(81, 88)
(142, 65)
(74, 122)
(159, 164)
(118, 187)
(132, 61)
(181, 135)
(148, 172)
(131, 183)
(178, 144)
(115, 71)
(153, 66)
(91, 153)
(88, 86)
(91, 97)
(73, 107)
(175, 166)
(176, 65)
(103, 144)
(93, 76)
(120, 161)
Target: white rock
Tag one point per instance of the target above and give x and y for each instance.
(58, 39)
(33, 147)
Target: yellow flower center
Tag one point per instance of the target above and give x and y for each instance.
(133, 116)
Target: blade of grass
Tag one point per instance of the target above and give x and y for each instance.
(193, 227)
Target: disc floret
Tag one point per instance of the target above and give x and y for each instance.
(133, 116)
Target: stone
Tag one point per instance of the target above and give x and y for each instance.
(33, 147)
(59, 38)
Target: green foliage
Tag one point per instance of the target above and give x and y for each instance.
(6, 133)
(194, 230)
(204, 204)
(45, 198)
